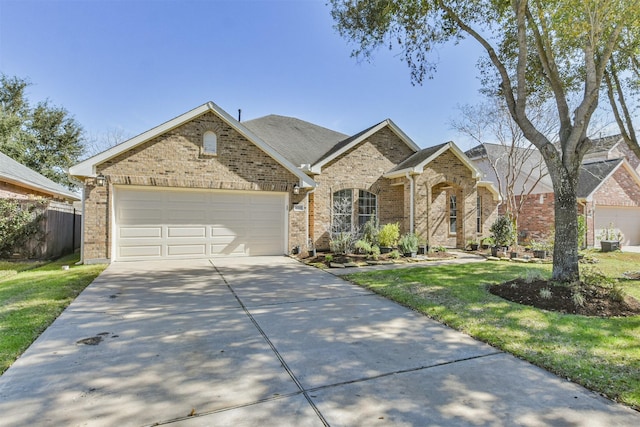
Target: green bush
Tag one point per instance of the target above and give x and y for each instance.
(394, 254)
(408, 243)
(342, 243)
(502, 230)
(375, 252)
(370, 231)
(363, 247)
(17, 225)
(389, 234)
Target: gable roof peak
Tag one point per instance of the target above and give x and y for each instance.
(87, 168)
(352, 141)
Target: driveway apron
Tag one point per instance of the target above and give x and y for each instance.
(268, 341)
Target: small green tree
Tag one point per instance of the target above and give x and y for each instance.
(502, 231)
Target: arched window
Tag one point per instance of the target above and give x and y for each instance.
(351, 213)
(209, 143)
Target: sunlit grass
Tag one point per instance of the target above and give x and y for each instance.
(601, 354)
(32, 298)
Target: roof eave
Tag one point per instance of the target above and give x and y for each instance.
(32, 186)
(87, 168)
(492, 189)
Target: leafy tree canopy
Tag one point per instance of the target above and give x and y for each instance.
(536, 50)
(44, 138)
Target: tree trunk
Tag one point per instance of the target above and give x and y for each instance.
(565, 250)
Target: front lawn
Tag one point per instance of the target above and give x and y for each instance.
(603, 354)
(32, 296)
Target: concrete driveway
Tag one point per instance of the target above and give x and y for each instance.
(268, 341)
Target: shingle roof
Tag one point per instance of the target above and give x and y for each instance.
(298, 141)
(592, 175)
(418, 158)
(605, 143)
(19, 174)
(529, 158)
(343, 143)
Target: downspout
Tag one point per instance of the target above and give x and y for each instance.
(84, 215)
(411, 201)
(309, 238)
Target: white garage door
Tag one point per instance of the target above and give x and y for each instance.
(626, 220)
(164, 223)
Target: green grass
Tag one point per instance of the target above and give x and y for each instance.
(32, 298)
(601, 354)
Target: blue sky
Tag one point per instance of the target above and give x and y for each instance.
(131, 65)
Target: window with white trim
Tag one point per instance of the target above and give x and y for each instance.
(453, 214)
(367, 207)
(210, 143)
(351, 213)
(479, 214)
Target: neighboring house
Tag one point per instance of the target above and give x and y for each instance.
(19, 182)
(59, 222)
(204, 184)
(608, 191)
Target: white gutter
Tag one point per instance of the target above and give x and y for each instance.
(84, 215)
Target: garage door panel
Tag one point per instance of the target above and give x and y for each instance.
(186, 232)
(139, 215)
(140, 252)
(140, 232)
(179, 215)
(164, 223)
(229, 249)
(186, 249)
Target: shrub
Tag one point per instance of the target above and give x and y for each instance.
(370, 231)
(17, 225)
(408, 243)
(545, 293)
(375, 252)
(394, 254)
(532, 275)
(363, 247)
(502, 230)
(388, 235)
(328, 257)
(439, 249)
(343, 242)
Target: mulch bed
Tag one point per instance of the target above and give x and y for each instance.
(362, 259)
(596, 299)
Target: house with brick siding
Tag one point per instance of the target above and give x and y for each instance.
(608, 193)
(205, 184)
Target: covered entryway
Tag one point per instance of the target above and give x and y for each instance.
(162, 223)
(624, 219)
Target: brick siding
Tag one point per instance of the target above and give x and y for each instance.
(537, 220)
(175, 159)
(361, 168)
(12, 191)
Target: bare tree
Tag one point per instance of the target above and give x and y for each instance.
(516, 165)
(100, 142)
